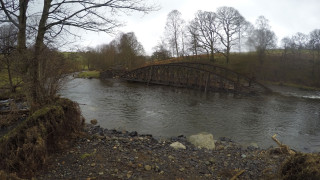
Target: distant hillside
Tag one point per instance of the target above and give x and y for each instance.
(301, 71)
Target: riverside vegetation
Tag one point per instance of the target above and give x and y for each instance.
(36, 69)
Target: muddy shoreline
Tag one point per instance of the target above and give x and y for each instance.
(110, 154)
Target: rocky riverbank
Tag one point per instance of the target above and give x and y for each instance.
(110, 154)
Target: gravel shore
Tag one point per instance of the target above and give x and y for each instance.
(110, 154)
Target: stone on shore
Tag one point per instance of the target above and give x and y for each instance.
(94, 121)
(202, 140)
(147, 167)
(177, 145)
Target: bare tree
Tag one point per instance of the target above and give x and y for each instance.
(230, 21)
(315, 41)
(161, 52)
(207, 28)
(285, 43)
(8, 43)
(130, 49)
(173, 29)
(245, 30)
(107, 55)
(54, 18)
(262, 38)
(299, 42)
(193, 38)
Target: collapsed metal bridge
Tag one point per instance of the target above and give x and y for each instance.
(202, 76)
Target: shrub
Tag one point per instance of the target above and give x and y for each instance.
(26, 148)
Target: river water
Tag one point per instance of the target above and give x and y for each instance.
(294, 115)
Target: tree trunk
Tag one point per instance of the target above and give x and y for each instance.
(37, 93)
(212, 55)
(177, 48)
(12, 88)
(228, 54)
(22, 25)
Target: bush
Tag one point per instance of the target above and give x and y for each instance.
(302, 166)
(26, 148)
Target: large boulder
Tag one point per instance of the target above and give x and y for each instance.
(202, 140)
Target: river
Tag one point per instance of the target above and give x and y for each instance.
(294, 115)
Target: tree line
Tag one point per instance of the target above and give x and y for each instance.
(124, 52)
(39, 27)
(226, 31)
(29, 37)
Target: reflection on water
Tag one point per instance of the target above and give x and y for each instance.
(164, 112)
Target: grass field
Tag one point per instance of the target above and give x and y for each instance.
(89, 74)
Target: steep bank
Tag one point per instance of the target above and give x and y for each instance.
(26, 147)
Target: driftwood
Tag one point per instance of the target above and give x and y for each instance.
(283, 148)
(237, 175)
(6, 112)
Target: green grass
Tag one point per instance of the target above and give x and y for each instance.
(89, 74)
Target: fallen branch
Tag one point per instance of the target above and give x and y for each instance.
(283, 148)
(6, 112)
(237, 175)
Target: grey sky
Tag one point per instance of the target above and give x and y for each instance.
(286, 17)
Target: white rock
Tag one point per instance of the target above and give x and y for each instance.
(202, 140)
(177, 145)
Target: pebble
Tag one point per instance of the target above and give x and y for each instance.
(171, 157)
(135, 159)
(129, 174)
(147, 167)
(225, 163)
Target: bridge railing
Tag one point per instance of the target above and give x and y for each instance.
(190, 74)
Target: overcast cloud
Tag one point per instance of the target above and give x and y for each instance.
(286, 17)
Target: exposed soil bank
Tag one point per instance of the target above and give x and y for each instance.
(26, 147)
